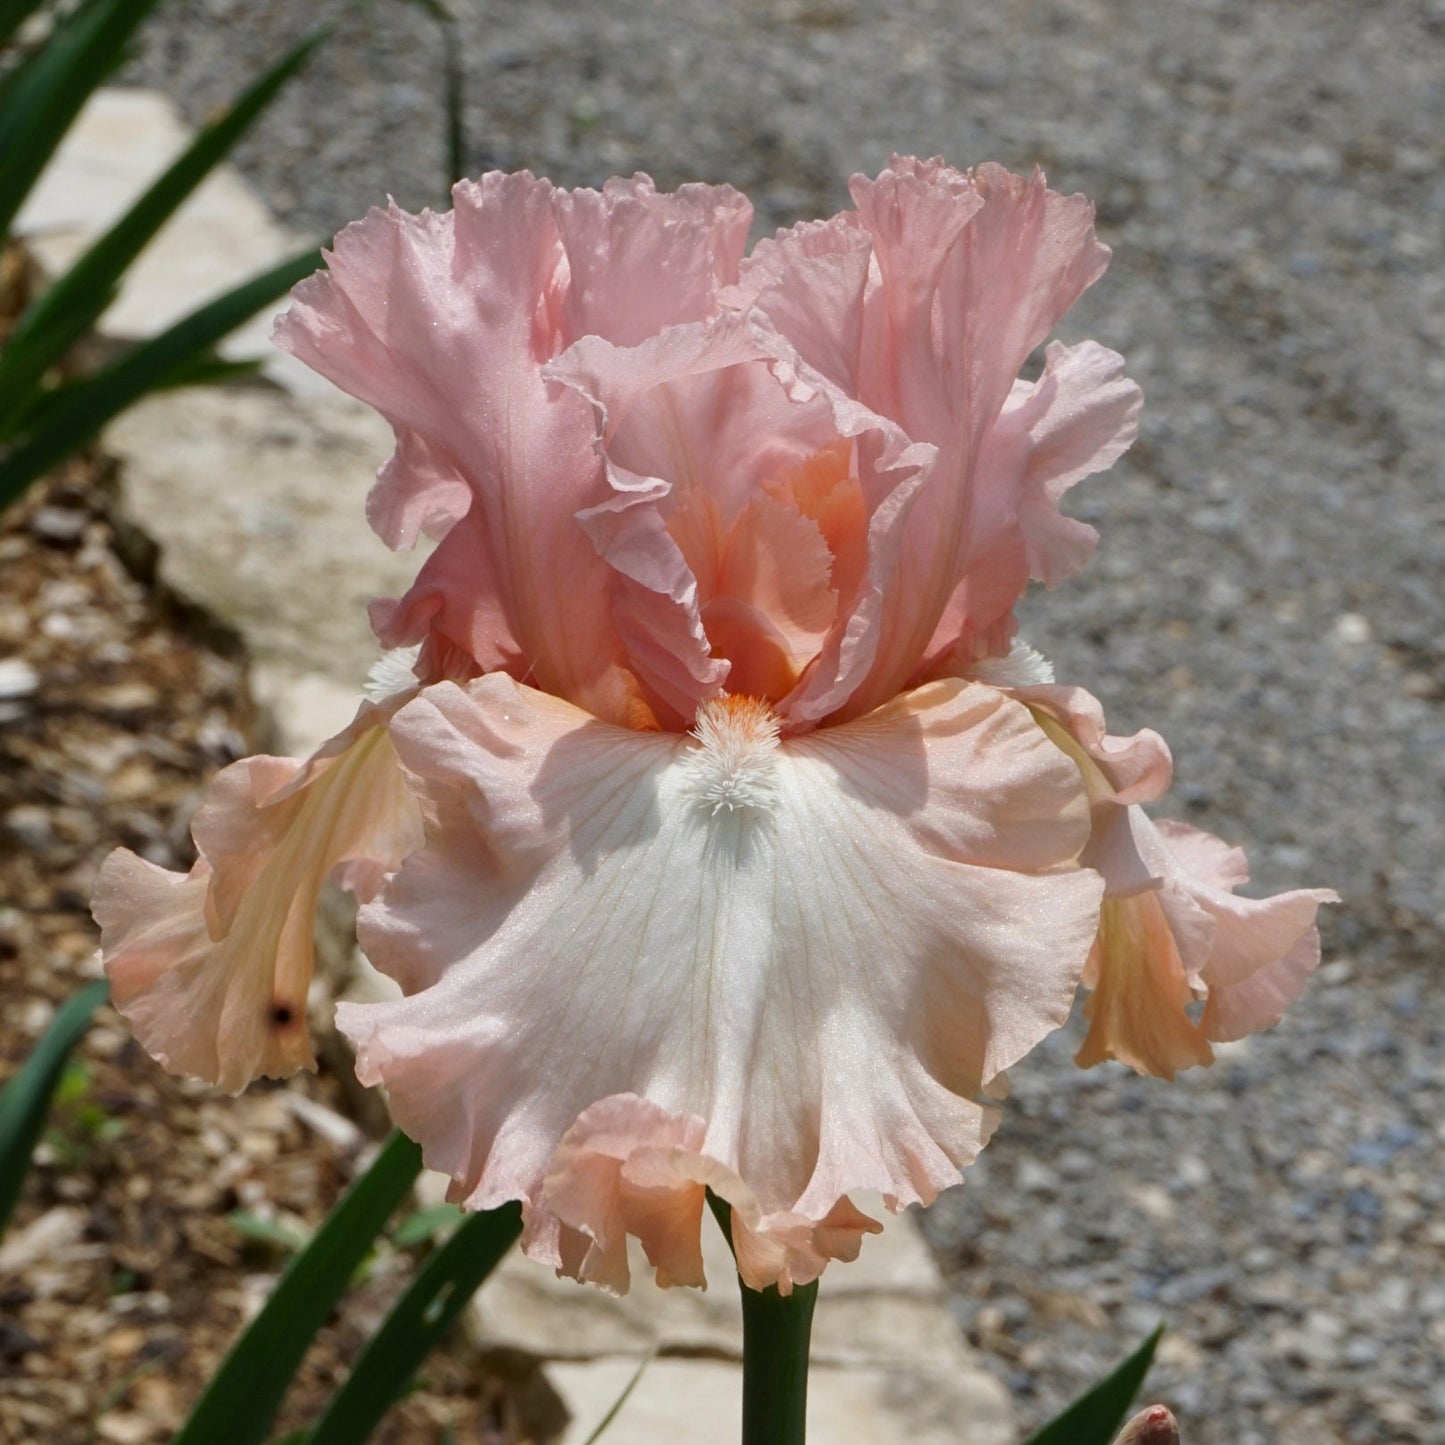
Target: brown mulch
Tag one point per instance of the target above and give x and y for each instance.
(126, 1273)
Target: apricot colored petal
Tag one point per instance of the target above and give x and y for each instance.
(1140, 992)
(213, 969)
(1174, 931)
(829, 983)
(718, 411)
(807, 290)
(694, 414)
(775, 574)
(697, 407)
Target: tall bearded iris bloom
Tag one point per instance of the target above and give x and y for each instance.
(722, 836)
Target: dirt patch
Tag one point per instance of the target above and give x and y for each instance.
(157, 1217)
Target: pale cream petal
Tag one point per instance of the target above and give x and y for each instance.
(588, 921)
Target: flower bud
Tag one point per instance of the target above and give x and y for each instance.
(1154, 1426)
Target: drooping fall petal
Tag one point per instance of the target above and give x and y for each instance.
(212, 968)
(601, 913)
(1172, 931)
(627, 1168)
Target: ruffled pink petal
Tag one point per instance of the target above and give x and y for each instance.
(639, 261)
(1080, 417)
(603, 913)
(810, 283)
(213, 969)
(1171, 930)
(446, 612)
(1264, 949)
(806, 293)
(417, 493)
(1117, 770)
(974, 271)
(628, 1168)
(1077, 419)
(443, 324)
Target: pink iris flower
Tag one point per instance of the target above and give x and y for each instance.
(720, 835)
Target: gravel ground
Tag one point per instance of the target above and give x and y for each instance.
(1267, 593)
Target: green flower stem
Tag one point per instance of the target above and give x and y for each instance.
(776, 1331)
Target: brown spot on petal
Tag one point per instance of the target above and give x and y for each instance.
(282, 1015)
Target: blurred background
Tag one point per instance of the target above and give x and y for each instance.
(1267, 593)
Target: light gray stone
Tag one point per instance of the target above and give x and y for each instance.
(886, 1306)
(700, 1401)
(888, 1360)
(122, 140)
(257, 500)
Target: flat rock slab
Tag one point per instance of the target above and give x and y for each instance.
(256, 498)
(885, 1308)
(889, 1363)
(699, 1401)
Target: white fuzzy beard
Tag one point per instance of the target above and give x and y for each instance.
(732, 769)
(392, 673)
(1023, 667)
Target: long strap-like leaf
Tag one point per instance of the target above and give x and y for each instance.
(1094, 1418)
(241, 1401)
(416, 1323)
(70, 307)
(47, 93)
(145, 368)
(26, 1099)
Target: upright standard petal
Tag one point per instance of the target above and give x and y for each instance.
(212, 968)
(807, 958)
(1078, 418)
(957, 277)
(443, 324)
